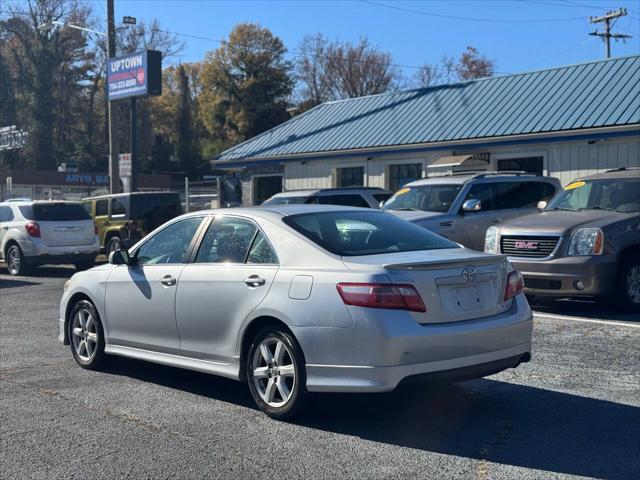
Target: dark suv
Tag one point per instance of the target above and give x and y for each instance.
(123, 219)
(462, 206)
(584, 243)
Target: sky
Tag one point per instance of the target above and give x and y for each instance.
(518, 35)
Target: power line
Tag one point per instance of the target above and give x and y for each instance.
(469, 19)
(609, 20)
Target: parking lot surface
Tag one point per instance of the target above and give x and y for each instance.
(573, 411)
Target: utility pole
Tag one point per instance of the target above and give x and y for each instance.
(114, 170)
(607, 20)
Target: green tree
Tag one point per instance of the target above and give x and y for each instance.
(246, 84)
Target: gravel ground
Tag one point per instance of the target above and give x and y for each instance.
(574, 411)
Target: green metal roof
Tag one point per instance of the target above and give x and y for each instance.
(597, 94)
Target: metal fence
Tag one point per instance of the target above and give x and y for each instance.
(200, 195)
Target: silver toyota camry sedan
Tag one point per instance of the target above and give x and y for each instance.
(301, 298)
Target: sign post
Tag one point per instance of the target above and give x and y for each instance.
(131, 76)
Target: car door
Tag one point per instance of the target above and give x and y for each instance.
(474, 225)
(140, 298)
(231, 274)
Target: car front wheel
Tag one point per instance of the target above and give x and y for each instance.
(86, 335)
(115, 243)
(275, 373)
(629, 284)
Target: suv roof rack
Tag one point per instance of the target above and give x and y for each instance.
(507, 172)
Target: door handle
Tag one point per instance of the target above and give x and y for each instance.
(254, 281)
(168, 280)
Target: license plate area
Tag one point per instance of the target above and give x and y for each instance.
(458, 298)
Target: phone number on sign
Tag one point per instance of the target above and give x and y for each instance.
(120, 84)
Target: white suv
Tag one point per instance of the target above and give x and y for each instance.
(38, 233)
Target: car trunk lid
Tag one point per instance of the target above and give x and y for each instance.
(455, 284)
(60, 233)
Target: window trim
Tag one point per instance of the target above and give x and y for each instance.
(398, 163)
(133, 253)
(496, 157)
(338, 166)
(200, 238)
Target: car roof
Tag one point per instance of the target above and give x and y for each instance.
(277, 210)
(115, 195)
(305, 193)
(462, 178)
(37, 202)
(623, 172)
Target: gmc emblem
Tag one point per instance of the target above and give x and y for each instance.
(523, 245)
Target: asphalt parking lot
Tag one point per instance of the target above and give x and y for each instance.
(574, 411)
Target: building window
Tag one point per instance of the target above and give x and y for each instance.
(524, 164)
(266, 187)
(350, 177)
(400, 175)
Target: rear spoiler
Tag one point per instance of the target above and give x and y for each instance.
(479, 261)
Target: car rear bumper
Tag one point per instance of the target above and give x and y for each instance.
(580, 276)
(37, 253)
(389, 349)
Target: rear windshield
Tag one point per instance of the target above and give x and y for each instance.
(350, 233)
(285, 200)
(54, 212)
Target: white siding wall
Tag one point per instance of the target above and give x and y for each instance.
(565, 160)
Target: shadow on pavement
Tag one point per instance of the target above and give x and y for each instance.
(581, 308)
(10, 283)
(45, 272)
(483, 419)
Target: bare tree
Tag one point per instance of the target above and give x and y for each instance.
(473, 65)
(336, 70)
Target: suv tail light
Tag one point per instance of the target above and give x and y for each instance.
(515, 284)
(33, 229)
(381, 295)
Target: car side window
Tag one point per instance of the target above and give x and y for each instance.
(169, 245)
(261, 251)
(486, 193)
(6, 214)
(87, 207)
(228, 239)
(102, 208)
(522, 194)
(117, 208)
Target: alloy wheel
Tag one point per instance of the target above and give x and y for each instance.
(633, 284)
(84, 330)
(274, 372)
(13, 260)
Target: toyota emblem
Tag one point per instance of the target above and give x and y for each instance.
(469, 274)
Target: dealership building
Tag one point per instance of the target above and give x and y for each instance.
(564, 122)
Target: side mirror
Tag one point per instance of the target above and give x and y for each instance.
(542, 205)
(472, 205)
(119, 257)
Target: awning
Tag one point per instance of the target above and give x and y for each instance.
(460, 160)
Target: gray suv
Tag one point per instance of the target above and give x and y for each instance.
(462, 207)
(584, 243)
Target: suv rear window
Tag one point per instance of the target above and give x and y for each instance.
(54, 212)
(347, 199)
(350, 233)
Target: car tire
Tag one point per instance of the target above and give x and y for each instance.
(628, 284)
(280, 387)
(16, 263)
(114, 243)
(86, 335)
(81, 266)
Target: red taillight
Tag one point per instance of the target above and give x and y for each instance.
(515, 284)
(33, 229)
(381, 295)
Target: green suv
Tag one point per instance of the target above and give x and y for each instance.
(123, 219)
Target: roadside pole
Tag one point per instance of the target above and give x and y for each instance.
(134, 147)
(114, 173)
